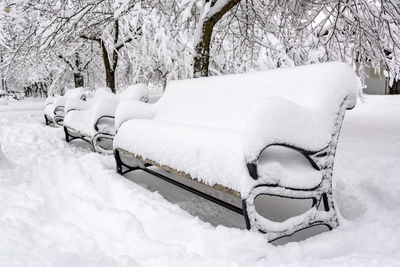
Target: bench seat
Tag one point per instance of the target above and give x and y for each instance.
(81, 121)
(213, 156)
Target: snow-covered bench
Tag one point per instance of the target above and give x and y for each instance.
(265, 133)
(54, 110)
(93, 120)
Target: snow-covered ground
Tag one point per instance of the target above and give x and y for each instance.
(62, 205)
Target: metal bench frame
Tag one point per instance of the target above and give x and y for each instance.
(322, 160)
(57, 120)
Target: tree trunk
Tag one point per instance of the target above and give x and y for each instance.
(201, 59)
(79, 80)
(78, 76)
(110, 79)
(110, 67)
(202, 51)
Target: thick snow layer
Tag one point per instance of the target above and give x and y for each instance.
(131, 109)
(287, 167)
(62, 205)
(136, 91)
(49, 100)
(308, 99)
(168, 147)
(77, 104)
(81, 121)
(256, 109)
(275, 120)
(228, 168)
(49, 110)
(226, 101)
(69, 94)
(75, 92)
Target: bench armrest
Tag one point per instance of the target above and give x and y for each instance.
(59, 101)
(104, 107)
(105, 124)
(278, 121)
(49, 100)
(76, 104)
(134, 109)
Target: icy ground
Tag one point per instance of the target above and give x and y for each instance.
(62, 205)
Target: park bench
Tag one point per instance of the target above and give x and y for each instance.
(93, 120)
(55, 106)
(263, 133)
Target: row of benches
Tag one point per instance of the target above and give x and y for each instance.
(90, 118)
(264, 133)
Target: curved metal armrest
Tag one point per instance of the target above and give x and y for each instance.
(96, 125)
(309, 155)
(59, 109)
(313, 153)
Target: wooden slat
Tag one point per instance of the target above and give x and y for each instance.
(181, 173)
(78, 132)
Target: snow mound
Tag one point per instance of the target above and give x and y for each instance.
(131, 109)
(135, 92)
(69, 94)
(49, 100)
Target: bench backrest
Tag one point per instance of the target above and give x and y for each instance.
(225, 101)
(104, 102)
(137, 91)
(74, 92)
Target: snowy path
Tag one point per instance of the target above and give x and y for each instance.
(62, 205)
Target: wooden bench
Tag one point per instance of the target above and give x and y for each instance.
(93, 121)
(265, 133)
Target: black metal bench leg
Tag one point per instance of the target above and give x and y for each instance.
(67, 136)
(245, 215)
(48, 122)
(93, 146)
(329, 205)
(118, 161)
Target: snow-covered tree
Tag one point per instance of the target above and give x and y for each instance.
(270, 33)
(120, 42)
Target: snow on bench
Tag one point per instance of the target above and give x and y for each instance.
(264, 133)
(93, 120)
(54, 110)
